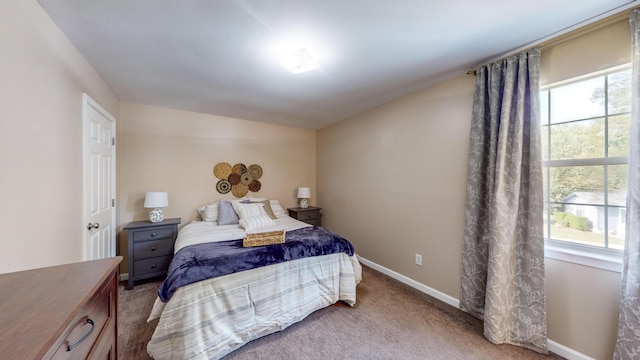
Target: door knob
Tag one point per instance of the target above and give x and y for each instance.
(93, 226)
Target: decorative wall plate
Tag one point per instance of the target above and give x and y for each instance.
(239, 169)
(255, 170)
(246, 178)
(222, 170)
(255, 186)
(234, 179)
(239, 190)
(223, 186)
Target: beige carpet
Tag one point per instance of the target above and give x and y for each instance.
(390, 321)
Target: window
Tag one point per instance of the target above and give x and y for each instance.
(585, 137)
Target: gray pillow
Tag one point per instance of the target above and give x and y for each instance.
(226, 214)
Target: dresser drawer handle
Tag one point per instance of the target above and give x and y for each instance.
(153, 266)
(154, 234)
(75, 344)
(153, 248)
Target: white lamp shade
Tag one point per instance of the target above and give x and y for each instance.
(156, 199)
(304, 193)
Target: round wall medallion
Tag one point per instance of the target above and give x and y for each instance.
(234, 179)
(246, 178)
(239, 169)
(223, 186)
(255, 186)
(239, 190)
(255, 170)
(222, 170)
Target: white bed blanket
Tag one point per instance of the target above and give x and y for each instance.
(211, 318)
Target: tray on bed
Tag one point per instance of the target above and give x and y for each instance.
(264, 238)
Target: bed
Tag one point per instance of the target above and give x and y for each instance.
(209, 318)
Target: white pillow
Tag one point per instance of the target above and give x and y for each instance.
(249, 210)
(276, 208)
(275, 205)
(209, 212)
(256, 222)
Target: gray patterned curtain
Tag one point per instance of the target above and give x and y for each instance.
(628, 343)
(503, 252)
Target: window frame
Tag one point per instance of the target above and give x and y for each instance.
(605, 258)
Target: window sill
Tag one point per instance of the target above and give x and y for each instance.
(609, 262)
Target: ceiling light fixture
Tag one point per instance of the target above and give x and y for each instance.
(299, 61)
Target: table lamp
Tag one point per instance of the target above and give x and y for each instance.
(304, 193)
(156, 200)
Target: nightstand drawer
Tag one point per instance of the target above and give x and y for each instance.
(150, 266)
(152, 234)
(308, 215)
(153, 248)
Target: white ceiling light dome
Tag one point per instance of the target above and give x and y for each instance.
(299, 61)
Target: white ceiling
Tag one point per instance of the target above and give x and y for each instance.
(220, 56)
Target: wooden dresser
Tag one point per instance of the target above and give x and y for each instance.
(60, 312)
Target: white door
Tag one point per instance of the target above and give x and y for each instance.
(99, 167)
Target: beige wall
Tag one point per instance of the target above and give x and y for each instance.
(42, 80)
(175, 151)
(582, 307)
(392, 180)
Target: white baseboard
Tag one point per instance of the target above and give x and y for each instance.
(554, 347)
(566, 352)
(124, 276)
(414, 284)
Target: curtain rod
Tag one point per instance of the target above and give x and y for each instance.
(549, 39)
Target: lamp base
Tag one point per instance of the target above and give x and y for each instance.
(156, 215)
(304, 203)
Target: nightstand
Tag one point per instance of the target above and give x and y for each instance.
(150, 248)
(310, 215)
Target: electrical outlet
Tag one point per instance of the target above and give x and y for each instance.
(419, 259)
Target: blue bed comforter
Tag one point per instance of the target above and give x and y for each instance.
(203, 261)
